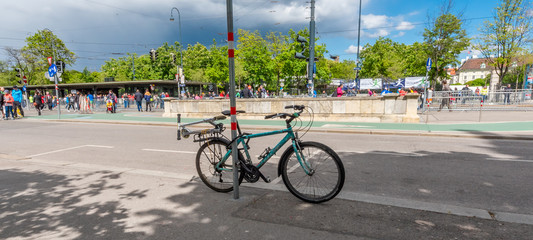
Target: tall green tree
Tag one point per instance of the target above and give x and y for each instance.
(505, 37)
(40, 46)
(444, 39)
(384, 59)
(252, 50)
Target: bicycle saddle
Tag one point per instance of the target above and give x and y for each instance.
(227, 112)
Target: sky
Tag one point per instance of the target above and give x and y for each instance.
(97, 30)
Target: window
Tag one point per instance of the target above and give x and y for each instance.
(465, 77)
(514, 64)
(473, 77)
(483, 65)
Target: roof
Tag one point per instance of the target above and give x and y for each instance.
(475, 64)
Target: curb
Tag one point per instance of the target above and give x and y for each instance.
(481, 135)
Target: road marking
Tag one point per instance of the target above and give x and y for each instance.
(168, 151)
(67, 149)
(509, 160)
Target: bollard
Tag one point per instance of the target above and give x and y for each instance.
(179, 121)
(480, 108)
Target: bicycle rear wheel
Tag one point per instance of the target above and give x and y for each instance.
(208, 156)
(324, 181)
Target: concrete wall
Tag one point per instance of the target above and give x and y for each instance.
(389, 108)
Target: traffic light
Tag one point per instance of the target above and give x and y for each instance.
(153, 54)
(173, 58)
(60, 66)
(302, 41)
(19, 72)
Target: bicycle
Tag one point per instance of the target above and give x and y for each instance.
(311, 171)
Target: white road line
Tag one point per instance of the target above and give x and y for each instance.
(67, 149)
(168, 151)
(509, 160)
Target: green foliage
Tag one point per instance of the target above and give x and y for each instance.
(40, 46)
(444, 41)
(476, 82)
(506, 36)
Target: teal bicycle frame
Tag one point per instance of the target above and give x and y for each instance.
(243, 139)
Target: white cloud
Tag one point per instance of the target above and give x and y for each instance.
(404, 26)
(353, 49)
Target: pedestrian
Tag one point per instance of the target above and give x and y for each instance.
(8, 103)
(163, 96)
(339, 90)
(138, 96)
(113, 98)
(48, 99)
(17, 101)
(446, 90)
(484, 93)
(38, 102)
(125, 100)
(2, 102)
(465, 93)
(147, 98)
(90, 96)
(77, 101)
(507, 94)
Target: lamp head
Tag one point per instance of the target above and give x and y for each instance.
(171, 18)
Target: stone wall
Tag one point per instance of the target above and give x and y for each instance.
(388, 108)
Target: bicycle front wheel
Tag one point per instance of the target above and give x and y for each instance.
(208, 156)
(325, 177)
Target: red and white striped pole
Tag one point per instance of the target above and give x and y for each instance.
(233, 109)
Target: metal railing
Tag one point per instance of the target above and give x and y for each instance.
(465, 100)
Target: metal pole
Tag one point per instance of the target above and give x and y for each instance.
(55, 76)
(358, 42)
(180, 67)
(233, 109)
(311, 49)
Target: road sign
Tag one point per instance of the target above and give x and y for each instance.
(428, 64)
(25, 80)
(24, 88)
(357, 68)
(52, 70)
(49, 61)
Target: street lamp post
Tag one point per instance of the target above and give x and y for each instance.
(180, 68)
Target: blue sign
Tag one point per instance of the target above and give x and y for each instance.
(24, 88)
(357, 69)
(428, 64)
(52, 70)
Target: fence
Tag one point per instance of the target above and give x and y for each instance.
(515, 100)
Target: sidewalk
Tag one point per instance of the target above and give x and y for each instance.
(494, 124)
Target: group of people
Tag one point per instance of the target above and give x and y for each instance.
(150, 99)
(11, 103)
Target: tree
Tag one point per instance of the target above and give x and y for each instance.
(505, 37)
(445, 39)
(252, 51)
(384, 59)
(40, 46)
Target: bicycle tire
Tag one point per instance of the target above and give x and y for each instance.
(209, 154)
(326, 181)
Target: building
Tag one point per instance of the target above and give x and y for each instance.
(473, 69)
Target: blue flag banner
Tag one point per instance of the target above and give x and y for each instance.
(400, 83)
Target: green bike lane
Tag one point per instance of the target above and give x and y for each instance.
(524, 127)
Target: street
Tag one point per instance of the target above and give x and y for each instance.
(484, 178)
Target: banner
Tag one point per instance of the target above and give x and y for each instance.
(416, 82)
(369, 83)
(400, 83)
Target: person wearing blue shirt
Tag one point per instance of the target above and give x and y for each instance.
(17, 97)
(91, 99)
(385, 91)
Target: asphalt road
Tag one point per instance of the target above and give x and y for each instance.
(425, 173)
